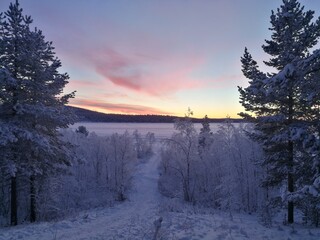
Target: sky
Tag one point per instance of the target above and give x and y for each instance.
(155, 56)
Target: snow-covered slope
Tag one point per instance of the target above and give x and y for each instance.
(134, 219)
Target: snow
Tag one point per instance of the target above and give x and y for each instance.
(139, 218)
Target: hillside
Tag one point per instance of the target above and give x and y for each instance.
(85, 115)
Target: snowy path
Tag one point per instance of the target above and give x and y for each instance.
(134, 219)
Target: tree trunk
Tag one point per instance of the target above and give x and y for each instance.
(290, 162)
(186, 194)
(290, 184)
(33, 216)
(14, 217)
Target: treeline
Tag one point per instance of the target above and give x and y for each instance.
(85, 115)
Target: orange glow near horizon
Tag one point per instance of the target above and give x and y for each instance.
(216, 115)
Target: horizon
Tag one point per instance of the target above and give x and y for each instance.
(147, 114)
(155, 57)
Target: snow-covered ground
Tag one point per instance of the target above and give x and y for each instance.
(134, 219)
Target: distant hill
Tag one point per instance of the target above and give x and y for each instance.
(85, 115)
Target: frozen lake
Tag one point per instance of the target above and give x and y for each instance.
(161, 130)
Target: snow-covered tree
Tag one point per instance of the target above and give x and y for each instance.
(222, 174)
(100, 175)
(237, 176)
(32, 104)
(180, 159)
(122, 158)
(284, 105)
(186, 146)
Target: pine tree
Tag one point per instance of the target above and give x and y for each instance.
(279, 101)
(32, 104)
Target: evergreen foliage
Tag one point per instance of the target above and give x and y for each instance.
(83, 130)
(32, 105)
(285, 104)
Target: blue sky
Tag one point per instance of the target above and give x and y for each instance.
(155, 56)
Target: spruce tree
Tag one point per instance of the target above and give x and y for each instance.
(279, 101)
(205, 132)
(32, 104)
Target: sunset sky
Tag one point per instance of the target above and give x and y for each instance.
(155, 56)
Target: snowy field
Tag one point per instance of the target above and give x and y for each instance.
(134, 219)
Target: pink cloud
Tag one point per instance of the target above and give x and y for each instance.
(116, 68)
(146, 74)
(116, 107)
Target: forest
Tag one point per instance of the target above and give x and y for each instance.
(267, 165)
